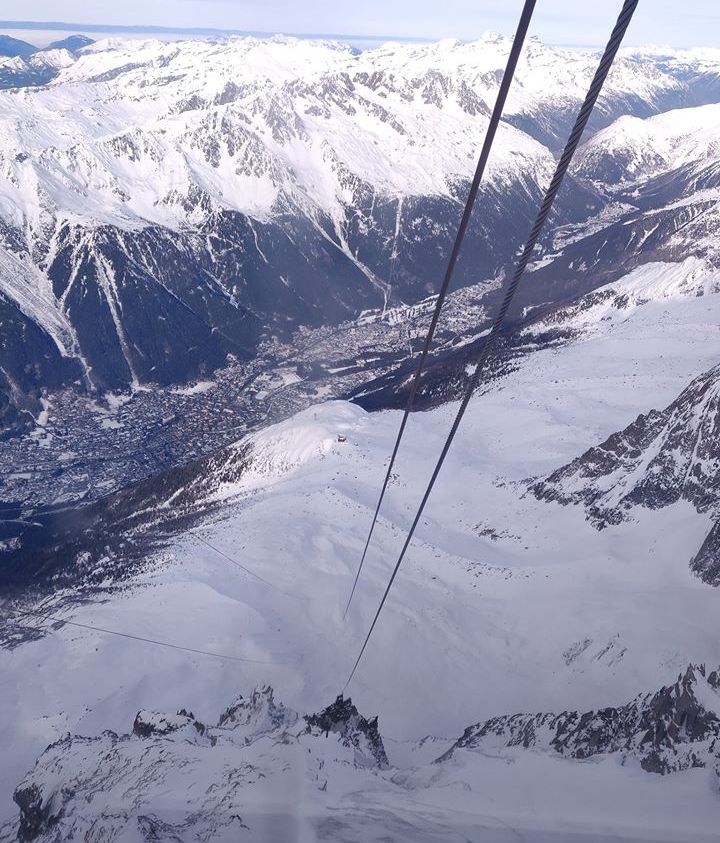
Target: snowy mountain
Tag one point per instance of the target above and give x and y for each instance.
(23, 65)
(177, 778)
(660, 179)
(284, 756)
(13, 47)
(632, 149)
(514, 603)
(73, 43)
(290, 204)
(662, 457)
(35, 68)
(676, 728)
(151, 209)
(190, 208)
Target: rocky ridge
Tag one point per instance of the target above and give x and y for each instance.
(217, 772)
(673, 729)
(664, 456)
(181, 779)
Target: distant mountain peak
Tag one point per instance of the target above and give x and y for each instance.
(73, 43)
(14, 47)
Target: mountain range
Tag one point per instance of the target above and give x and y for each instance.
(191, 213)
(168, 754)
(218, 260)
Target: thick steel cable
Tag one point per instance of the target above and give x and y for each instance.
(603, 69)
(464, 222)
(45, 617)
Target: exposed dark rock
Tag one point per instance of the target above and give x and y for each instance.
(706, 562)
(342, 718)
(30, 362)
(36, 816)
(662, 457)
(667, 731)
(149, 723)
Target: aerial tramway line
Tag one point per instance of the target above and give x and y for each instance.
(486, 348)
(609, 54)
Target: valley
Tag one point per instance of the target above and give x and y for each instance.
(213, 290)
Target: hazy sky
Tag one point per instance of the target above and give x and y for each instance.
(578, 22)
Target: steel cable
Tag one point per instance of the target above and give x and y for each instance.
(46, 617)
(508, 75)
(601, 73)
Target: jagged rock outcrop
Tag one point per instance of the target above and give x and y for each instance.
(150, 723)
(259, 714)
(343, 719)
(175, 778)
(662, 457)
(675, 728)
(706, 562)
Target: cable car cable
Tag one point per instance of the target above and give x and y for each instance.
(601, 73)
(512, 61)
(45, 617)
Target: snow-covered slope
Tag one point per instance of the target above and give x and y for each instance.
(161, 121)
(662, 457)
(36, 69)
(633, 148)
(168, 205)
(289, 764)
(505, 603)
(157, 122)
(661, 178)
(675, 728)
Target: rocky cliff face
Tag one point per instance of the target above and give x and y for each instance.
(676, 728)
(662, 457)
(343, 719)
(706, 562)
